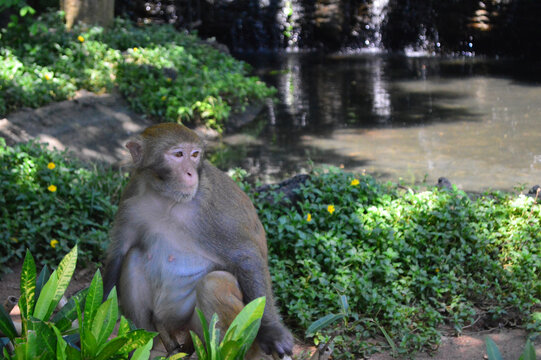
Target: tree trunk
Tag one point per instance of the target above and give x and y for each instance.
(89, 12)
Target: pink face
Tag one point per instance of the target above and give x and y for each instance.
(184, 160)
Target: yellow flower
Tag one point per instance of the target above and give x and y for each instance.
(80, 38)
(163, 98)
(309, 217)
(437, 270)
(354, 182)
(53, 243)
(51, 165)
(330, 208)
(52, 188)
(135, 49)
(47, 77)
(169, 79)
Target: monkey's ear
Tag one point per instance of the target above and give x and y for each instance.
(136, 150)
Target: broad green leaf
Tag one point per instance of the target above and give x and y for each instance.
(44, 275)
(107, 318)
(89, 345)
(492, 350)
(93, 301)
(323, 323)
(136, 339)
(247, 338)
(529, 352)
(46, 297)
(205, 326)
(124, 326)
(344, 304)
(143, 353)
(252, 312)
(65, 317)
(73, 353)
(199, 347)
(176, 356)
(100, 319)
(27, 300)
(61, 345)
(65, 272)
(111, 348)
(214, 333)
(231, 349)
(40, 340)
(6, 324)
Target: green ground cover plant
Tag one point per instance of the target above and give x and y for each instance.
(407, 262)
(163, 73)
(50, 202)
(380, 260)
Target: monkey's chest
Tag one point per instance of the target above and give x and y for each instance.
(174, 270)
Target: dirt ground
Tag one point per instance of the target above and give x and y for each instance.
(96, 127)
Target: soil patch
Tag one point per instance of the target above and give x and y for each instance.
(96, 127)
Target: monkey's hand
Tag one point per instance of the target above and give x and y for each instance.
(275, 337)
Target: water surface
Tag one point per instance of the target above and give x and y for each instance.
(475, 121)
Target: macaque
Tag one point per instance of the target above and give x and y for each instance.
(186, 236)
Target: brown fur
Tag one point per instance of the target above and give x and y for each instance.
(185, 235)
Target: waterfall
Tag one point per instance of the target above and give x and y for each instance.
(377, 13)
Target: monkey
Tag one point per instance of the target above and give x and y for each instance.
(185, 236)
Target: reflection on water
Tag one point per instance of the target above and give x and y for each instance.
(476, 122)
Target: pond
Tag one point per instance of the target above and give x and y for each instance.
(474, 121)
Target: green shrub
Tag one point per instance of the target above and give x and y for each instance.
(407, 262)
(163, 73)
(50, 203)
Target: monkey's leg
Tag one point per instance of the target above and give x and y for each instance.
(218, 292)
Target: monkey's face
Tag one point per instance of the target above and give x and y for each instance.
(180, 173)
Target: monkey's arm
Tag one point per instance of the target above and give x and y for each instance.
(122, 238)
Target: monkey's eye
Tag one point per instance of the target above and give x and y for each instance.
(178, 154)
(195, 154)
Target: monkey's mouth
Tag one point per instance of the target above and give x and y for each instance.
(184, 194)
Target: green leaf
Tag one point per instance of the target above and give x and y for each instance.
(323, 323)
(214, 332)
(124, 326)
(529, 352)
(65, 317)
(61, 345)
(64, 272)
(56, 286)
(43, 339)
(252, 312)
(6, 324)
(199, 347)
(27, 10)
(143, 353)
(44, 275)
(28, 289)
(46, 297)
(111, 348)
(177, 356)
(105, 320)
(492, 350)
(93, 301)
(205, 326)
(136, 339)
